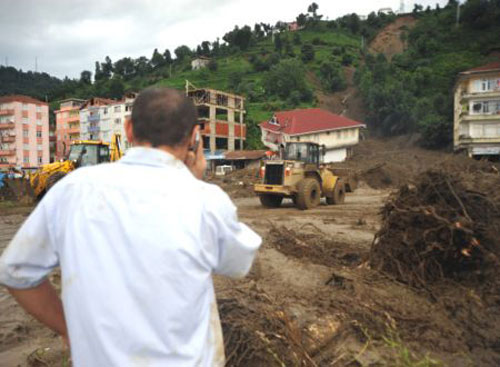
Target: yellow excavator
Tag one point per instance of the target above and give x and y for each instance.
(81, 153)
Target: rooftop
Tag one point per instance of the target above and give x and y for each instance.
(20, 98)
(492, 66)
(310, 120)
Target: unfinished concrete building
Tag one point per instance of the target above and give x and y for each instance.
(221, 116)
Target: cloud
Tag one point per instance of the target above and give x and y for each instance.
(69, 36)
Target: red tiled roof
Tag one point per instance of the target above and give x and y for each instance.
(20, 98)
(245, 154)
(488, 67)
(303, 121)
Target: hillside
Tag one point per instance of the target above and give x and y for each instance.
(401, 83)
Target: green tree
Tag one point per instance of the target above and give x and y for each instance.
(307, 53)
(107, 68)
(98, 74)
(167, 56)
(287, 76)
(116, 88)
(278, 44)
(332, 76)
(157, 60)
(182, 52)
(86, 77)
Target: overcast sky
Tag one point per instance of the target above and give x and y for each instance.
(68, 36)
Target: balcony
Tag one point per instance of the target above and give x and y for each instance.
(482, 117)
(73, 130)
(93, 118)
(93, 129)
(482, 95)
(8, 138)
(7, 125)
(7, 153)
(6, 112)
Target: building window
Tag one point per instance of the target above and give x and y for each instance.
(39, 122)
(25, 107)
(118, 121)
(38, 108)
(26, 120)
(26, 146)
(118, 108)
(105, 111)
(26, 159)
(25, 133)
(39, 147)
(39, 160)
(327, 133)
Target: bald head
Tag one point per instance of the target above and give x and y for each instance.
(162, 116)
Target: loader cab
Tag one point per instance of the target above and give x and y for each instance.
(308, 153)
(88, 154)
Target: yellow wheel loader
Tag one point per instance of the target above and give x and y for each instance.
(302, 177)
(81, 153)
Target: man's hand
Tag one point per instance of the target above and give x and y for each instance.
(196, 161)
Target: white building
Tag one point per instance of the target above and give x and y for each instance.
(338, 133)
(476, 127)
(200, 62)
(101, 118)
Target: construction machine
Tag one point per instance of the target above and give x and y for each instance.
(300, 175)
(81, 153)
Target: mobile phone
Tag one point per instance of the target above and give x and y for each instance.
(194, 147)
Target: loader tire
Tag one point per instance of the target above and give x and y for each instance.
(53, 178)
(271, 201)
(338, 195)
(308, 194)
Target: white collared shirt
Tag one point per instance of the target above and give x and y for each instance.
(137, 242)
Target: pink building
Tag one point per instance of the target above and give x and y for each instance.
(24, 132)
(67, 125)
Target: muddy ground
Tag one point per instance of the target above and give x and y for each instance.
(311, 298)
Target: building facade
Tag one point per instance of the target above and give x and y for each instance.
(221, 117)
(476, 127)
(200, 62)
(337, 133)
(92, 113)
(67, 125)
(24, 132)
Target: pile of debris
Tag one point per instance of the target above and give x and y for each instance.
(257, 332)
(439, 229)
(239, 183)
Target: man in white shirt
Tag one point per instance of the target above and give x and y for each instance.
(137, 242)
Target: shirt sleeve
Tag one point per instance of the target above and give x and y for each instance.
(234, 243)
(30, 256)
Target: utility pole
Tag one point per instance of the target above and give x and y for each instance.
(458, 13)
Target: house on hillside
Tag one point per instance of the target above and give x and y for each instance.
(476, 125)
(200, 62)
(338, 133)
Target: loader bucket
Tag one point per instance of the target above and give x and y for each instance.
(18, 189)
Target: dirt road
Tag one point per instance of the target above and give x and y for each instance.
(310, 299)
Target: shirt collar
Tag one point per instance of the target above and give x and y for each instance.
(151, 157)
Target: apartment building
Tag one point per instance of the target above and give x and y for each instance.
(24, 132)
(221, 118)
(102, 118)
(476, 127)
(337, 133)
(67, 125)
(92, 112)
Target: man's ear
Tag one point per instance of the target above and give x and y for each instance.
(192, 138)
(129, 131)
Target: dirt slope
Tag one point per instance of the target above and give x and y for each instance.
(388, 40)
